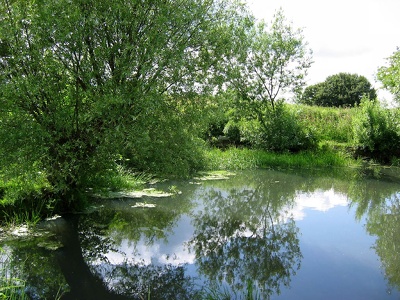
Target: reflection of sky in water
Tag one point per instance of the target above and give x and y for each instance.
(338, 262)
(319, 200)
(337, 258)
(173, 252)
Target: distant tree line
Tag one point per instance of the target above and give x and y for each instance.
(339, 90)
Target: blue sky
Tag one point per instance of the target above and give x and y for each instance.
(353, 36)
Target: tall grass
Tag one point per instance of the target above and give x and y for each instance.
(240, 159)
(11, 287)
(251, 292)
(327, 123)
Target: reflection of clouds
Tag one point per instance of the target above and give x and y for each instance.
(180, 256)
(176, 252)
(319, 200)
(156, 253)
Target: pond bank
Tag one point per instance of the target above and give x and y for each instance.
(241, 159)
(231, 159)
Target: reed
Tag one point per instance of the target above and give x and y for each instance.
(11, 287)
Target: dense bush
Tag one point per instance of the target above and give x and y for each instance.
(376, 132)
(213, 117)
(232, 132)
(280, 131)
(167, 143)
(171, 153)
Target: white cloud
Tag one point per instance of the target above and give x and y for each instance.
(353, 36)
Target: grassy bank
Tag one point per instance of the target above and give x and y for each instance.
(240, 159)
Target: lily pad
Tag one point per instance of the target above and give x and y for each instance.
(214, 175)
(143, 205)
(50, 245)
(151, 192)
(20, 231)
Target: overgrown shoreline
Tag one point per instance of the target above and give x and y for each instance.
(230, 159)
(29, 197)
(242, 158)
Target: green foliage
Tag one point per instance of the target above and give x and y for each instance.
(377, 131)
(25, 199)
(270, 60)
(119, 179)
(232, 132)
(78, 79)
(390, 75)
(340, 90)
(279, 130)
(11, 287)
(167, 143)
(327, 123)
(240, 159)
(216, 115)
(311, 93)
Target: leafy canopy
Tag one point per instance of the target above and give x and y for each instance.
(390, 75)
(79, 79)
(271, 60)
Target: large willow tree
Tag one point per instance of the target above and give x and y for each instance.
(76, 75)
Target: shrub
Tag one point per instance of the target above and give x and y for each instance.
(232, 132)
(250, 132)
(281, 131)
(376, 132)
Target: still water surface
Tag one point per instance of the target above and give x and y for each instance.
(330, 234)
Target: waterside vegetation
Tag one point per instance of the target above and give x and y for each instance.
(336, 143)
(102, 94)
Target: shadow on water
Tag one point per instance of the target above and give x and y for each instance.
(82, 282)
(231, 239)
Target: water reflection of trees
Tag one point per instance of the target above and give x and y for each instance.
(243, 235)
(36, 268)
(132, 278)
(80, 269)
(141, 281)
(103, 231)
(386, 226)
(379, 203)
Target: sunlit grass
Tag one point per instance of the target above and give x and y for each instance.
(240, 159)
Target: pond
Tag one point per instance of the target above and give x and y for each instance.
(261, 234)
